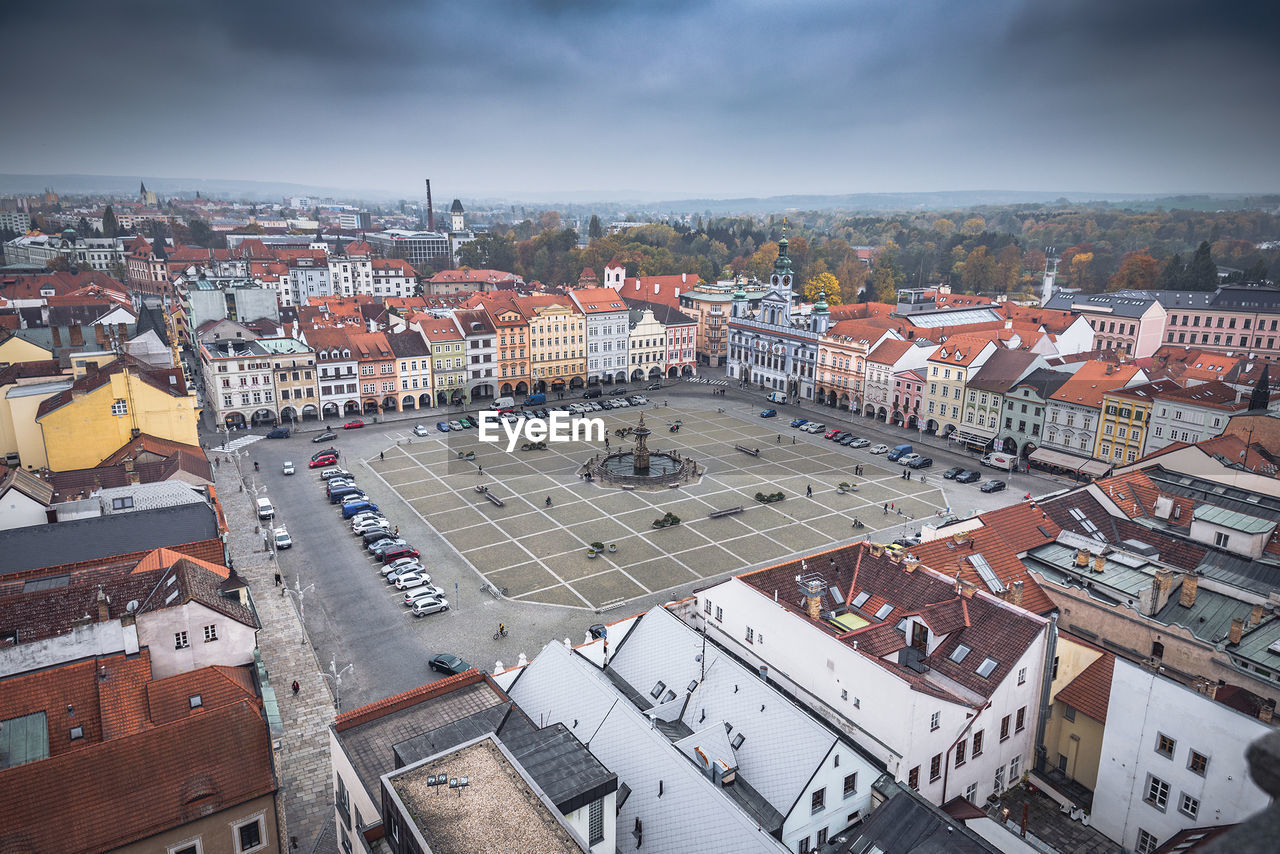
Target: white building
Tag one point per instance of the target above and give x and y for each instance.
(940, 684)
(813, 782)
(607, 328)
(1193, 414)
(16, 221)
(1172, 758)
(883, 394)
(351, 269)
(93, 253)
(309, 277)
(238, 381)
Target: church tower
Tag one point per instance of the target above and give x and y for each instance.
(455, 217)
(781, 278)
(740, 305)
(820, 319)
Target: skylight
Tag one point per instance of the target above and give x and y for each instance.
(987, 574)
(986, 667)
(861, 599)
(958, 654)
(884, 611)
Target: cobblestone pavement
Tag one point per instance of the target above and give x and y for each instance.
(302, 757)
(1046, 822)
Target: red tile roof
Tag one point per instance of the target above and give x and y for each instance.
(1092, 380)
(1090, 691)
(950, 558)
(889, 352)
(406, 699)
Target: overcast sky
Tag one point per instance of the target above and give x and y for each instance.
(533, 98)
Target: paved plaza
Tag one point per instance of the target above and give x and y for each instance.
(539, 553)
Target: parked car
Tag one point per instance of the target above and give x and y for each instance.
(860, 443)
(908, 542)
(952, 473)
(799, 422)
(409, 580)
(426, 591)
(385, 544)
(405, 564)
(365, 516)
(399, 552)
(287, 468)
(279, 433)
(352, 509)
(814, 427)
(445, 663)
(969, 477)
(992, 486)
(413, 568)
(376, 534)
(455, 425)
(591, 392)
(621, 402)
(653, 387)
(879, 449)
(905, 459)
(921, 462)
(423, 607)
(353, 424)
(265, 510)
(832, 433)
(372, 525)
(442, 426)
(419, 430)
(769, 413)
(329, 474)
(848, 439)
(283, 540)
(358, 496)
(638, 400)
(324, 437)
(618, 391)
(327, 452)
(321, 462)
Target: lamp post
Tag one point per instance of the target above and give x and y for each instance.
(335, 677)
(300, 592)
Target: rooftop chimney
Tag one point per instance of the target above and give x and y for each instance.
(1267, 711)
(1255, 615)
(1082, 557)
(1237, 631)
(1015, 595)
(1190, 584)
(104, 611)
(1099, 563)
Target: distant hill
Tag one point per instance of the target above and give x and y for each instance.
(215, 188)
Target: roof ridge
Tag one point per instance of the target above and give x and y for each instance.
(405, 699)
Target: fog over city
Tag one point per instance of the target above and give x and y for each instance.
(654, 99)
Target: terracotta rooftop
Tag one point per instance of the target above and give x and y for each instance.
(1005, 534)
(1093, 380)
(1090, 691)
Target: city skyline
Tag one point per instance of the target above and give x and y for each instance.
(659, 100)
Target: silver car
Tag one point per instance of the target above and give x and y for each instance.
(420, 430)
(379, 546)
(427, 591)
(423, 607)
(409, 580)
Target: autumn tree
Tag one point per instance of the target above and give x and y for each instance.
(882, 284)
(1008, 269)
(973, 225)
(1079, 269)
(823, 284)
(944, 226)
(979, 272)
(1137, 272)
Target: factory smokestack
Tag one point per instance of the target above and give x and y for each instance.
(431, 214)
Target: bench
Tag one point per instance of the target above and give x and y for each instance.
(484, 490)
(728, 511)
(755, 452)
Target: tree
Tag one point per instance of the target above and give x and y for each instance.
(1261, 398)
(979, 272)
(1257, 272)
(594, 229)
(1080, 272)
(58, 264)
(1137, 272)
(823, 283)
(1171, 274)
(203, 235)
(944, 226)
(882, 285)
(1202, 272)
(110, 227)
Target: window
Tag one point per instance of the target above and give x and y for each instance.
(1198, 763)
(180, 640)
(1220, 539)
(1055, 668)
(977, 743)
(1022, 675)
(913, 777)
(1015, 768)
(1068, 712)
(658, 689)
(1146, 843)
(971, 793)
(738, 740)
(803, 846)
(1188, 805)
(999, 783)
(706, 606)
(1004, 728)
(935, 767)
(1020, 723)
(186, 848)
(1157, 792)
(751, 635)
(850, 784)
(249, 837)
(1165, 745)
(719, 613)
(819, 801)
(935, 721)
(210, 633)
(595, 822)
(119, 407)
(123, 503)
(822, 837)
(960, 753)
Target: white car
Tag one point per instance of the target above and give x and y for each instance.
(879, 449)
(420, 430)
(367, 516)
(639, 400)
(330, 474)
(621, 402)
(455, 425)
(371, 525)
(427, 591)
(907, 459)
(402, 563)
(351, 499)
(287, 468)
(283, 540)
(423, 607)
(813, 427)
(410, 580)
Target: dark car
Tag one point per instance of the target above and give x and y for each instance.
(354, 424)
(399, 552)
(617, 391)
(992, 486)
(841, 436)
(327, 452)
(920, 463)
(848, 439)
(442, 426)
(372, 536)
(279, 433)
(769, 413)
(325, 437)
(799, 422)
(590, 393)
(599, 630)
(653, 387)
(445, 663)
(953, 472)
(969, 477)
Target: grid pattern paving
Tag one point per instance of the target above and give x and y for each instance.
(539, 553)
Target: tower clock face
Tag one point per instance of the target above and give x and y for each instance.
(774, 280)
(786, 280)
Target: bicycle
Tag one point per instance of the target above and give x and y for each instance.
(500, 633)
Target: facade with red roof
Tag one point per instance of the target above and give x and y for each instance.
(336, 369)
(1073, 416)
(940, 677)
(607, 319)
(894, 381)
(842, 354)
(949, 368)
(466, 280)
(511, 330)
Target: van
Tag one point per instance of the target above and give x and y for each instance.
(777, 397)
(503, 403)
(1004, 462)
(898, 451)
(535, 400)
(590, 393)
(336, 495)
(265, 510)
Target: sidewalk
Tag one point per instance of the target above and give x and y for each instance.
(302, 757)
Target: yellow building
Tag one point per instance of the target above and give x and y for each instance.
(1081, 691)
(22, 388)
(107, 407)
(1126, 412)
(448, 358)
(557, 343)
(15, 349)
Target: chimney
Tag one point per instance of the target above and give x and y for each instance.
(1237, 631)
(1111, 369)
(813, 606)
(1164, 580)
(1015, 594)
(1099, 563)
(1255, 616)
(1211, 690)
(910, 563)
(1190, 584)
(431, 214)
(1267, 711)
(1082, 557)
(104, 612)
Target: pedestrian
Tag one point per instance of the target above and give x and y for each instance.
(296, 687)
(381, 455)
(480, 468)
(278, 581)
(397, 530)
(779, 439)
(793, 440)
(908, 474)
(899, 511)
(808, 491)
(886, 510)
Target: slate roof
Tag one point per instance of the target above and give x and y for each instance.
(560, 686)
(1090, 691)
(104, 536)
(561, 766)
(1209, 617)
(408, 344)
(908, 824)
(1118, 304)
(664, 314)
(1001, 370)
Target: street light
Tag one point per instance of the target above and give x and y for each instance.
(300, 592)
(335, 676)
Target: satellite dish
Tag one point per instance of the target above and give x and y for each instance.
(132, 606)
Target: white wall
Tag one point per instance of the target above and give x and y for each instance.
(803, 822)
(19, 511)
(359, 799)
(1144, 706)
(580, 821)
(83, 641)
(156, 629)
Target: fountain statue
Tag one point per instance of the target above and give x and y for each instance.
(640, 467)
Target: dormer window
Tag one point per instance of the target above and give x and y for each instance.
(861, 599)
(884, 611)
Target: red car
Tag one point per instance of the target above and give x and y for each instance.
(322, 462)
(831, 434)
(398, 552)
(352, 425)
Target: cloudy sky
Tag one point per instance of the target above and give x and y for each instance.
(670, 98)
